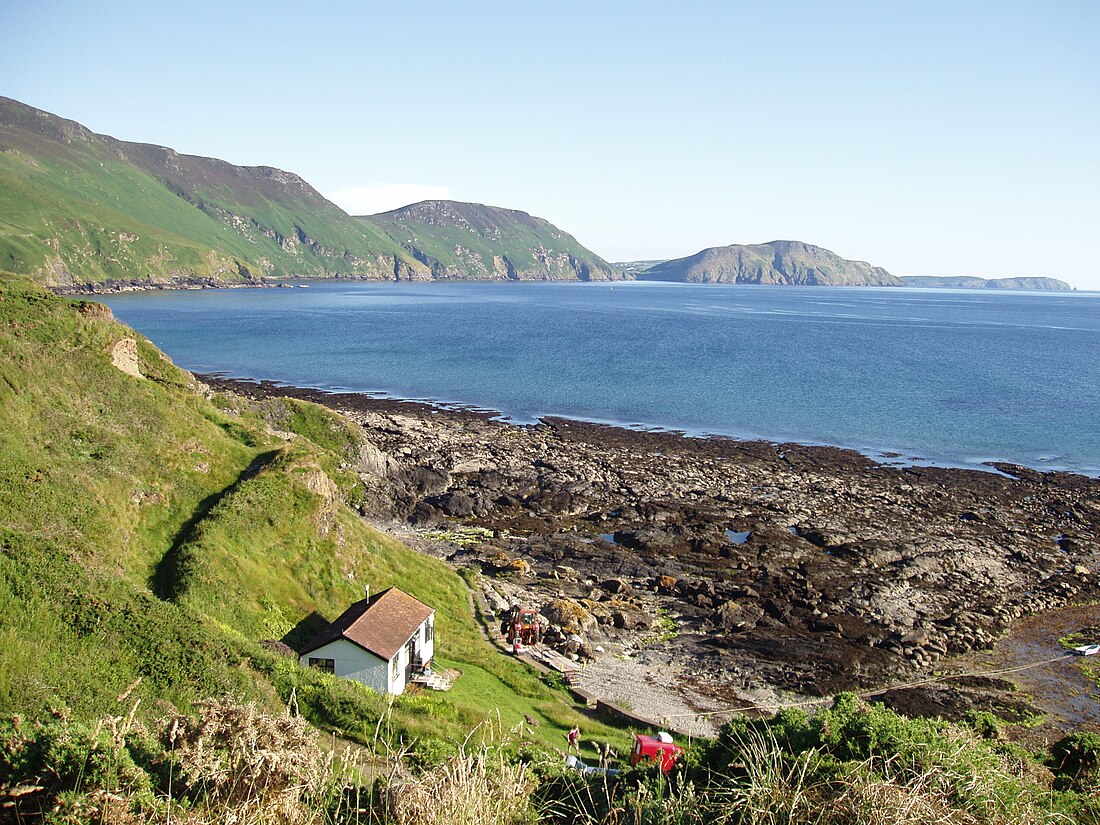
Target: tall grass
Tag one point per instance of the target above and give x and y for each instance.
(480, 785)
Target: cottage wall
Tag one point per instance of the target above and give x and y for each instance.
(352, 662)
(395, 674)
(427, 639)
(425, 650)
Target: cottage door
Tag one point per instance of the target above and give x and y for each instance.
(412, 657)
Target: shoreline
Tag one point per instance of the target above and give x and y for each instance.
(887, 457)
(774, 570)
(114, 286)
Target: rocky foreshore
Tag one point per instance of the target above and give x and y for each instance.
(755, 566)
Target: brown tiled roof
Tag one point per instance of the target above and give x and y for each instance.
(381, 624)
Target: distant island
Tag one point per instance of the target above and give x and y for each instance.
(775, 262)
(972, 282)
(803, 264)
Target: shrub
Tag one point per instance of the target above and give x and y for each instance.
(47, 764)
(1075, 760)
(983, 723)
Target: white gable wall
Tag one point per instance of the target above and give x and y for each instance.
(427, 632)
(396, 681)
(352, 662)
(425, 650)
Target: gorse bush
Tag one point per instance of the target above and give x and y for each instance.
(229, 763)
(232, 762)
(983, 723)
(854, 748)
(74, 769)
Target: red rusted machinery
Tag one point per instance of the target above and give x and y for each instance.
(521, 623)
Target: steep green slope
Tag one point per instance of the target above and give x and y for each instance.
(776, 262)
(77, 208)
(470, 241)
(973, 282)
(83, 211)
(150, 531)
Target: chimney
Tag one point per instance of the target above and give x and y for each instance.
(367, 588)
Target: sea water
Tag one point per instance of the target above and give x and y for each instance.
(942, 376)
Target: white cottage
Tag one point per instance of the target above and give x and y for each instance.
(380, 641)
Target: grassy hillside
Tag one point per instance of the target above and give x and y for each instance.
(148, 531)
(83, 211)
(80, 208)
(472, 241)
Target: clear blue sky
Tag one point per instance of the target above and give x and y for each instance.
(929, 138)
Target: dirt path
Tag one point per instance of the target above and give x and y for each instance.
(650, 689)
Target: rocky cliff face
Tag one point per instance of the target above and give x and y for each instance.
(470, 241)
(776, 262)
(972, 282)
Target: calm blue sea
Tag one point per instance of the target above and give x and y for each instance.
(940, 376)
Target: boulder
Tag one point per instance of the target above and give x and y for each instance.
(427, 481)
(570, 616)
(915, 638)
(455, 505)
(666, 585)
(626, 616)
(124, 357)
(616, 587)
(734, 616)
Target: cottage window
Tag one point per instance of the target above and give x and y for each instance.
(428, 634)
(396, 669)
(326, 665)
